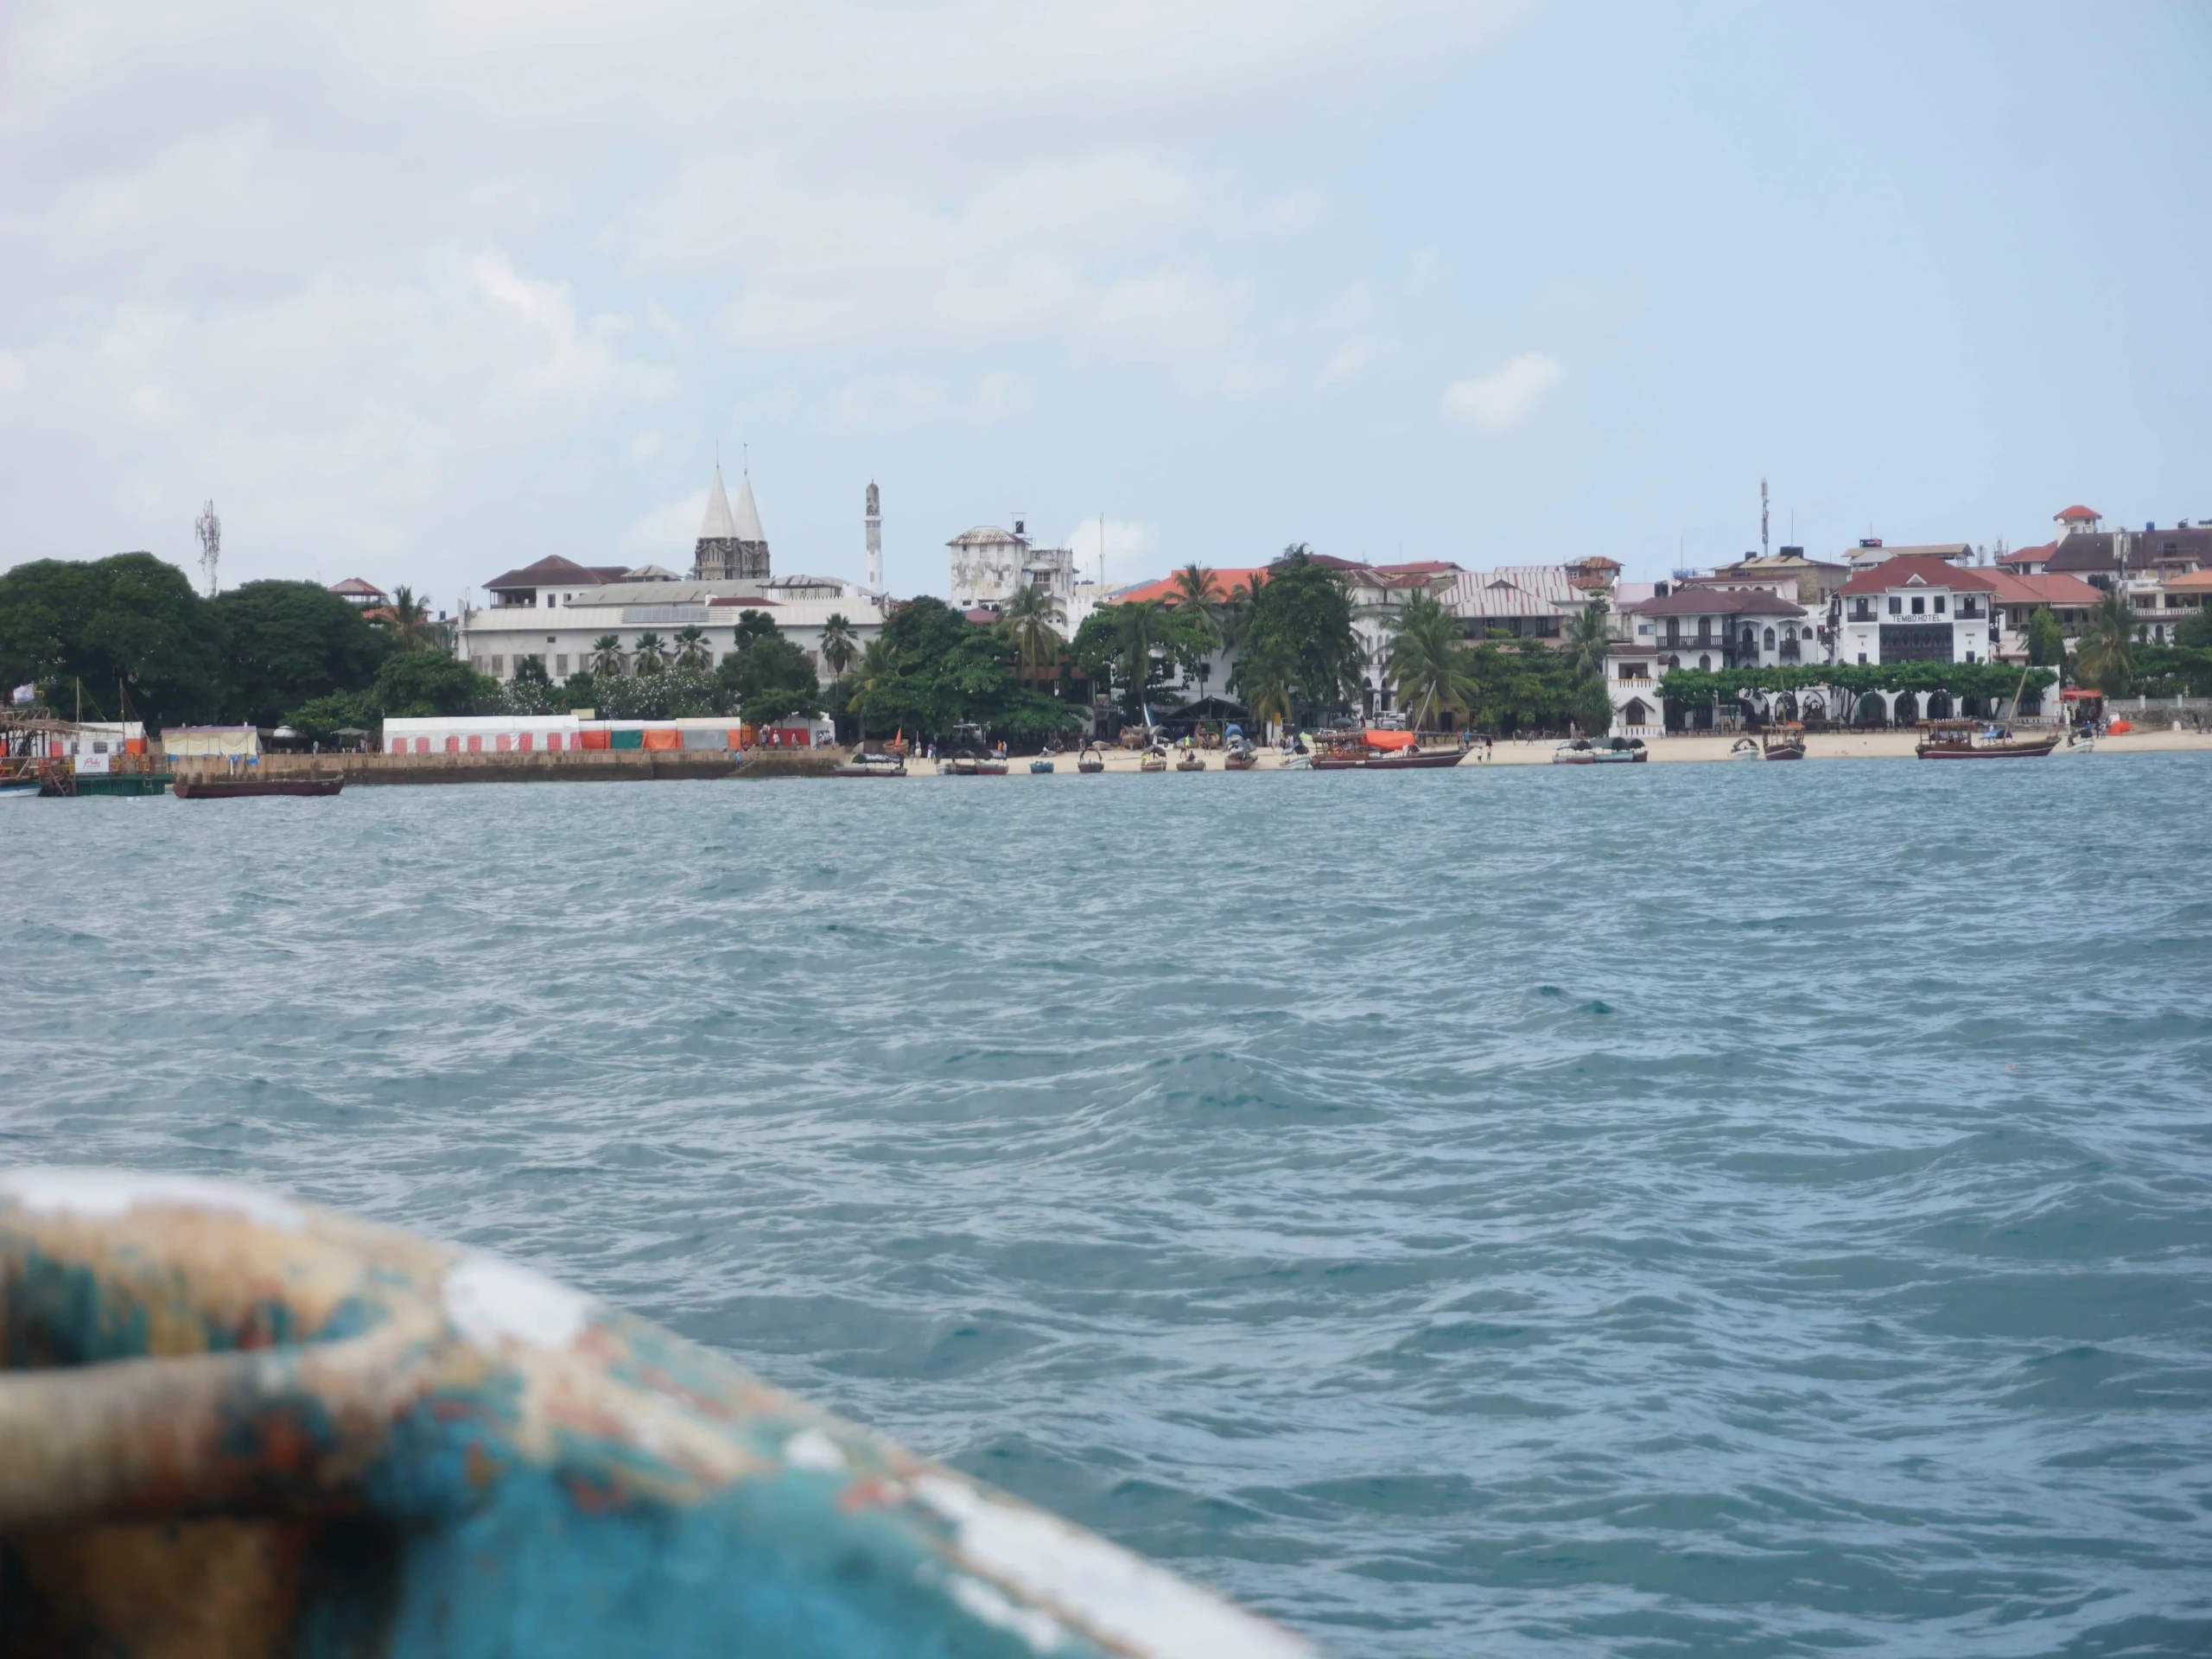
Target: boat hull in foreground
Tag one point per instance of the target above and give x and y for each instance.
(264, 1428)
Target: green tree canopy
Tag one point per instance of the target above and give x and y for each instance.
(286, 642)
(130, 617)
(1301, 639)
(2046, 640)
(938, 671)
(2106, 656)
(769, 680)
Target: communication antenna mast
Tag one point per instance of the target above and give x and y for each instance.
(211, 545)
(1764, 548)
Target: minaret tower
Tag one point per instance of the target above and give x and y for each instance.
(875, 540)
(1765, 549)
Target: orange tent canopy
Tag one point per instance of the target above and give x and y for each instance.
(1389, 739)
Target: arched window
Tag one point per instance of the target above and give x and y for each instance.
(1769, 639)
(1704, 663)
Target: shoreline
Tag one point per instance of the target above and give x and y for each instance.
(1702, 748)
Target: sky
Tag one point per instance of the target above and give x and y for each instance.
(424, 292)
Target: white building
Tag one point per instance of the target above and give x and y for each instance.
(564, 636)
(989, 564)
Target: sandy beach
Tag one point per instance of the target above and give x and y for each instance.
(1837, 745)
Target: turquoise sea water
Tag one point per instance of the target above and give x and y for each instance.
(1684, 1210)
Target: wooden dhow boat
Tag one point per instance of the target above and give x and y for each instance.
(1375, 750)
(1970, 739)
(241, 1425)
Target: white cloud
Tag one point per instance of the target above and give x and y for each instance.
(668, 530)
(1130, 548)
(897, 403)
(369, 255)
(1349, 361)
(1495, 402)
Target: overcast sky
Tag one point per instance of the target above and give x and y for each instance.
(420, 292)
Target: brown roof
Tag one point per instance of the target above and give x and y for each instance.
(2093, 550)
(2011, 587)
(1930, 572)
(549, 572)
(2028, 554)
(355, 587)
(1720, 601)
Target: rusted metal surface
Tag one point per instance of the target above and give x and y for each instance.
(233, 1423)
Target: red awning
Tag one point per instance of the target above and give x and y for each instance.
(2081, 697)
(1389, 739)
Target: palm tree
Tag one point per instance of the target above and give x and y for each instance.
(1143, 627)
(409, 621)
(1197, 593)
(1425, 660)
(2105, 656)
(1267, 697)
(649, 653)
(606, 656)
(1588, 638)
(839, 647)
(878, 665)
(692, 650)
(1027, 621)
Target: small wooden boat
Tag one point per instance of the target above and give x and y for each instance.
(1785, 743)
(989, 766)
(1043, 763)
(1155, 759)
(1970, 740)
(1090, 759)
(1746, 748)
(1239, 756)
(1599, 752)
(871, 765)
(231, 1423)
(1191, 761)
(226, 789)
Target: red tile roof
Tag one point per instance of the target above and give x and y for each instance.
(2075, 514)
(2011, 587)
(1901, 571)
(2028, 554)
(1223, 580)
(355, 587)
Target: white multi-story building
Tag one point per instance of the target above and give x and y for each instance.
(989, 564)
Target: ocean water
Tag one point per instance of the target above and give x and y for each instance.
(1691, 1210)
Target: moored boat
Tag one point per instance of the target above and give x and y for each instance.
(1599, 752)
(1239, 756)
(1785, 743)
(229, 789)
(1155, 759)
(1377, 750)
(1968, 740)
(1090, 759)
(1191, 761)
(1043, 763)
(871, 765)
(249, 1426)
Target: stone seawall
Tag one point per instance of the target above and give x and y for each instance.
(590, 766)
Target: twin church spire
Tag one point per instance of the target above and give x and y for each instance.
(731, 546)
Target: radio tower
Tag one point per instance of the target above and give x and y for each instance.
(211, 545)
(1764, 548)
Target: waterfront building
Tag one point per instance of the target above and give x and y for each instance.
(1919, 608)
(570, 734)
(496, 640)
(989, 564)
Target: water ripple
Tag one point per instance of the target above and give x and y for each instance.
(1722, 1210)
